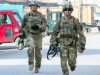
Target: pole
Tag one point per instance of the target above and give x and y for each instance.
(81, 10)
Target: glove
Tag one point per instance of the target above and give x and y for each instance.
(53, 43)
(58, 39)
(34, 27)
(23, 36)
(82, 46)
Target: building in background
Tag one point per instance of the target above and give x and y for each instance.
(53, 3)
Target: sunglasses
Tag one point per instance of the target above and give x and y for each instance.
(67, 10)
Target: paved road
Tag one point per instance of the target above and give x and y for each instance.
(14, 61)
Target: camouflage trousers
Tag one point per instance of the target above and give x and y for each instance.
(34, 43)
(67, 54)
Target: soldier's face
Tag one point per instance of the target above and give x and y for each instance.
(34, 8)
(67, 12)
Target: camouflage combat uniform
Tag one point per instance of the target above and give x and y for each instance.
(69, 31)
(34, 37)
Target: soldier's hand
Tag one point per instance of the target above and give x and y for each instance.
(53, 43)
(22, 36)
(82, 46)
(34, 27)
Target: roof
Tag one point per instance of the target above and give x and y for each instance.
(14, 10)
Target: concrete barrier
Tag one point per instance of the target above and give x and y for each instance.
(94, 29)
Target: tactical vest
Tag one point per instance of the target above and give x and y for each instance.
(34, 20)
(67, 28)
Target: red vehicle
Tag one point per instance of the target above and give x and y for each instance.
(10, 22)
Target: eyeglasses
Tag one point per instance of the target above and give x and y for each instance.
(67, 9)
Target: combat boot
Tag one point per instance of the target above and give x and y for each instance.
(31, 67)
(72, 68)
(36, 70)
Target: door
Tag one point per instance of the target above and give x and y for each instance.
(52, 18)
(6, 28)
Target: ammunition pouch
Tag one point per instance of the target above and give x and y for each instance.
(66, 36)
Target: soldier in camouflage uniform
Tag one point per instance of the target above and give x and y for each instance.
(33, 24)
(70, 33)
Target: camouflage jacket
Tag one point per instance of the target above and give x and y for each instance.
(30, 19)
(70, 26)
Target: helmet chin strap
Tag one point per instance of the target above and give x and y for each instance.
(67, 15)
(34, 10)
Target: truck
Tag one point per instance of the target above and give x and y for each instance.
(10, 22)
(97, 18)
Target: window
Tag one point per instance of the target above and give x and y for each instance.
(52, 16)
(8, 32)
(17, 18)
(97, 14)
(4, 19)
(59, 16)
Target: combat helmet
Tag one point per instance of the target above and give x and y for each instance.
(34, 3)
(67, 5)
